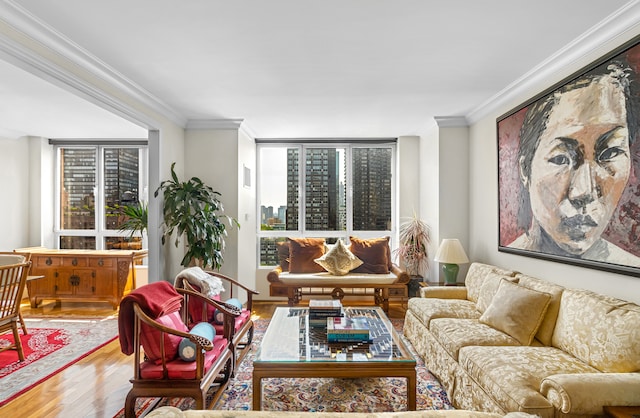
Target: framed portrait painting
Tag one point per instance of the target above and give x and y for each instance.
(569, 168)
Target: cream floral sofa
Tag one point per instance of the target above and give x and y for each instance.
(171, 412)
(510, 342)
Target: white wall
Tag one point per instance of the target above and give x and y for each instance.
(14, 189)
(247, 249)
(483, 202)
(212, 155)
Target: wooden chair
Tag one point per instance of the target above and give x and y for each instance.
(13, 279)
(166, 377)
(10, 258)
(243, 327)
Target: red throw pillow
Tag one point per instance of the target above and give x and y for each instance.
(151, 341)
(374, 253)
(303, 252)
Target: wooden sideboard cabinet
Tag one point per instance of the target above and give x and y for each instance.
(82, 275)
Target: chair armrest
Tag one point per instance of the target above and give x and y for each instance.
(587, 393)
(233, 282)
(403, 276)
(274, 275)
(202, 342)
(444, 292)
(229, 312)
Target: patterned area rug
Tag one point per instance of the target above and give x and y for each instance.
(337, 395)
(50, 346)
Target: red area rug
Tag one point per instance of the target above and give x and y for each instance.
(50, 346)
(334, 395)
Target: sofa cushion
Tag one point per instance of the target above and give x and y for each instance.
(283, 254)
(600, 330)
(545, 332)
(489, 288)
(374, 253)
(512, 375)
(475, 277)
(427, 309)
(517, 311)
(338, 260)
(453, 334)
(303, 252)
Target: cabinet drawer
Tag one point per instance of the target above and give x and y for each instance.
(102, 262)
(47, 261)
(74, 262)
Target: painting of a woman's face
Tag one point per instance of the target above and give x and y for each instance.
(581, 165)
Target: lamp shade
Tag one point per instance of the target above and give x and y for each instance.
(451, 252)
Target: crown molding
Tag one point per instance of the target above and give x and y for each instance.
(616, 26)
(216, 124)
(30, 29)
(451, 121)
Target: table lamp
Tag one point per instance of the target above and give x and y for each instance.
(450, 254)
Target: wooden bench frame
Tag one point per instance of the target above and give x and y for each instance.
(381, 292)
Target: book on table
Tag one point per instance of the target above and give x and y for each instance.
(345, 329)
(324, 308)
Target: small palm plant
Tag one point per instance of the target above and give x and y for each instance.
(415, 237)
(136, 218)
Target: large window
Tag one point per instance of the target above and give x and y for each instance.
(323, 190)
(94, 183)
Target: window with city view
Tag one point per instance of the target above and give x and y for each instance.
(345, 189)
(95, 183)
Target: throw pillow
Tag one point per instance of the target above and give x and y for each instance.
(218, 317)
(187, 348)
(152, 342)
(517, 311)
(374, 253)
(339, 260)
(303, 252)
(488, 289)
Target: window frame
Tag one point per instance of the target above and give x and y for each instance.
(348, 146)
(100, 232)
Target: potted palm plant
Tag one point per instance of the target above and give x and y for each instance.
(413, 251)
(193, 209)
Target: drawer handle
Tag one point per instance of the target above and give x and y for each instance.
(48, 262)
(74, 262)
(101, 262)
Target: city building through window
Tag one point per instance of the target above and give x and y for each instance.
(94, 184)
(331, 190)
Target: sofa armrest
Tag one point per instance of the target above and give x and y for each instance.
(588, 393)
(443, 292)
(274, 275)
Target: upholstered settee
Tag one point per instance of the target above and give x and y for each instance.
(510, 342)
(308, 267)
(171, 412)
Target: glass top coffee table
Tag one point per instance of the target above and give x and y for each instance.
(291, 348)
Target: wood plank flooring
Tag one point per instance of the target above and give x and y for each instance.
(97, 385)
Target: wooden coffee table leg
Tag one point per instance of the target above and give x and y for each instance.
(257, 391)
(411, 393)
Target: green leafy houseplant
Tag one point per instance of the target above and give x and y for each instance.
(136, 218)
(193, 210)
(415, 237)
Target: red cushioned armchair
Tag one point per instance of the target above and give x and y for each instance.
(153, 330)
(242, 326)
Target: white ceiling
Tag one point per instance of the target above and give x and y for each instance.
(296, 68)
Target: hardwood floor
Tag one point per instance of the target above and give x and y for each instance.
(97, 385)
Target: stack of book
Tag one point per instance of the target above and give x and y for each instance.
(320, 310)
(347, 330)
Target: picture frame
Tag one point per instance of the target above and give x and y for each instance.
(569, 168)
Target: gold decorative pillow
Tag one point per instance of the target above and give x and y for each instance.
(517, 311)
(303, 252)
(339, 260)
(488, 289)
